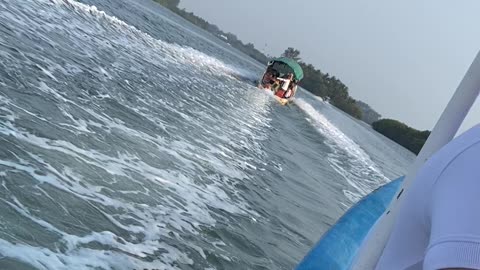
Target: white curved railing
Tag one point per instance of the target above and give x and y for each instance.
(443, 132)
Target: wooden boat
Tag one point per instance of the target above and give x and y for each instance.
(282, 76)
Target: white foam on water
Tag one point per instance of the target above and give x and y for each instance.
(85, 258)
(187, 210)
(171, 53)
(197, 198)
(347, 158)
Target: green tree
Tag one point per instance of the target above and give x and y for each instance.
(369, 115)
(169, 3)
(291, 53)
(402, 134)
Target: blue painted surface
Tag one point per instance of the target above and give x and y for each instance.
(339, 245)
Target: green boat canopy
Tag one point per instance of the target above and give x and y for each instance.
(297, 70)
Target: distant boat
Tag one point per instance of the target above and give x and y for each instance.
(282, 76)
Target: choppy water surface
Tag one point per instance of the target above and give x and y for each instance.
(128, 143)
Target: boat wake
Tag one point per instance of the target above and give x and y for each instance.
(121, 149)
(346, 157)
(111, 166)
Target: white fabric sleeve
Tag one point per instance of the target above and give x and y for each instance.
(454, 214)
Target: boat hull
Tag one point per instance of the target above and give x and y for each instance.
(339, 246)
(282, 101)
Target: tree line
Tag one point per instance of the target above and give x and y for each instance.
(327, 87)
(321, 84)
(404, 135)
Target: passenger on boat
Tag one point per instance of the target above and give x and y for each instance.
(269, 79)
(289, 93)
(282, 85)
(291, 90)
(285, 81)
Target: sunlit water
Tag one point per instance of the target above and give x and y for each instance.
(128, 142)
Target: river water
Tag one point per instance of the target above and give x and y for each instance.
(127, 141)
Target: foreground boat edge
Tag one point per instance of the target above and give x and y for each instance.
(339, 245)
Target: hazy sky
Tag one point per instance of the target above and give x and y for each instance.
(404, 58)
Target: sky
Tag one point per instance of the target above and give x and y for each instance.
(403, 58)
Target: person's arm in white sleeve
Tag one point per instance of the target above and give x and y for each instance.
(454, 212)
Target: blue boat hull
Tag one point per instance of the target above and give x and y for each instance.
(337, 248)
